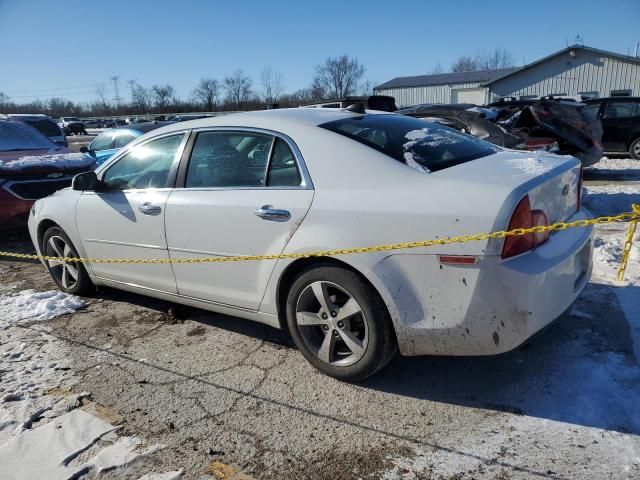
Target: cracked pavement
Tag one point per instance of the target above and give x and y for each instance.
(217, 388)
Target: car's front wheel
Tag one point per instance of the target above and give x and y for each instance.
(634, 149)
(340, 323)
(71, 277)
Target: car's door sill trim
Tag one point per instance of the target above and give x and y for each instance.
(178, 295)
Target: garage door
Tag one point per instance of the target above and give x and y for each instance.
(468, 95)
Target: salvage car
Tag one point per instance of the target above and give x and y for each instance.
(551, 125)
(295, 183)
(110, 141)
(32, 167)
(620, 117)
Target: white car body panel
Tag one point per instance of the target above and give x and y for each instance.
(361, 197)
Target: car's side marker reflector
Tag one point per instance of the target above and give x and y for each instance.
(457, 259)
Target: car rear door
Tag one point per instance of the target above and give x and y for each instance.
(618, 119)
(240, 192)
(126, 218)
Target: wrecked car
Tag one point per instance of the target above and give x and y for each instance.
(551, 125)
(32, 167)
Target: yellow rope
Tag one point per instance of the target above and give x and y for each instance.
(628, 216)
(627, 244)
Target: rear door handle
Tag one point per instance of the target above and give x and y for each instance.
(149, 209)
(269, 213)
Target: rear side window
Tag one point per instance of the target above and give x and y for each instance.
(621, 109)
(103, 141)
(283, 171)
(229, 159)
(122, 140)
(425, 146)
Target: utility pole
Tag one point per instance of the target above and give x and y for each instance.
(132, 86)
(117, 98)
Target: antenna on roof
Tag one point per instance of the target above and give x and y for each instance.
(357, 107)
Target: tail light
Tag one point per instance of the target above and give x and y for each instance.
(524, 217)
(580, 187)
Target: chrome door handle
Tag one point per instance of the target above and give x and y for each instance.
(269, 213)
(149, 209)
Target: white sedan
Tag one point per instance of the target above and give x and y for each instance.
(303, 180)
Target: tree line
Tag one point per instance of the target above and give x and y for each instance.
(334, 78)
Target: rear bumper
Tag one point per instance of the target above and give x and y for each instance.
(489, 308)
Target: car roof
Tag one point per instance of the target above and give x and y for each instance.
(34, 116)
(596, 100)
(143, 127)
(275, 118)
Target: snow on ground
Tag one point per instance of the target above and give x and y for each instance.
(606, 163)
(45, 430)
(30, 305)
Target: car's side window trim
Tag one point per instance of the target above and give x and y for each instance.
(305, 183)
(174, 166)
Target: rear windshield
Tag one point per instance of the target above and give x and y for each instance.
(425, 146)
(45, 127)
(20, 136)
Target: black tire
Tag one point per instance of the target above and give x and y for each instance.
(82, 284)
(634, 149)
(381, 343)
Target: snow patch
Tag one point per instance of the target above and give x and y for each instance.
(32, 305)
(530, 165)
(20, 136)
(175, 475)
(606, 163)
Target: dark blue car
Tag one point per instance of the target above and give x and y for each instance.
(112, 140)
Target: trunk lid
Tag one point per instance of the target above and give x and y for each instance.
(551, 181)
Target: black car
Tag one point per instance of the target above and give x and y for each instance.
(620, 117)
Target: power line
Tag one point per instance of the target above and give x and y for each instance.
(87, 92)
(52, 89)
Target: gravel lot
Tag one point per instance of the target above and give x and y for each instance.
(224, 395)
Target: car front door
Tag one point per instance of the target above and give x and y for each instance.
(125, 219)
(242, 192)
(618, 120)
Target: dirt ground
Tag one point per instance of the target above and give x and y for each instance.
(213, 388)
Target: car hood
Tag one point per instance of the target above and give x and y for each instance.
(20, 163)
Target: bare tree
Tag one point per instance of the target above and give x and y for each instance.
(437, 69)
(206, 93)
(366, 87)
(482, 60)
(272, 85)
(338, 77)
(465, 63)
(142, 99)
(496, 59)
(4, 99)
(238, 87)
(163, 96)
(101, 102)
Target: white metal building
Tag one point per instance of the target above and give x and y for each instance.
(575, 70)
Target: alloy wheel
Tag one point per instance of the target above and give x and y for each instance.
(65, 273)
(332, 323)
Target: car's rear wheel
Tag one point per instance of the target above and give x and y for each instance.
(634, 149)
(71, 277)
(340, 323)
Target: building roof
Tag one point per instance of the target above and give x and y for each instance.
(446, 78)
(625, 58)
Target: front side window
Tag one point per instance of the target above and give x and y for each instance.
(229, 159)
(425, 146)
(617, 109)
(145, 166)
(104, 141)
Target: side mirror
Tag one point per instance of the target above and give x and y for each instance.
(86, 181)
(84, 149)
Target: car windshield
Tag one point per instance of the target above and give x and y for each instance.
(20, 136)
(71, 119)
(425, 146)
(46, 127)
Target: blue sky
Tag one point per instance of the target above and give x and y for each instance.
(57, 44)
